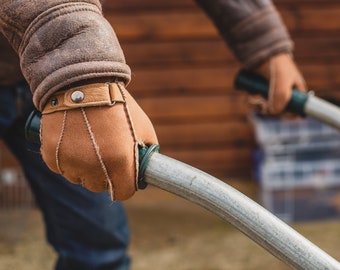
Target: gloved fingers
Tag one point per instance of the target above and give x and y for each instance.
(144, 136)
(301, 84)
(280, 85)
(258, 104)
(96, 146)
(60, 149)
(283, 76)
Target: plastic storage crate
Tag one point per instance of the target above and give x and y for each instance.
(298, 168)
(271, 130)
(310, 173)
(303, 203)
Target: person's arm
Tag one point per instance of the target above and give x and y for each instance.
(260, 41)
(91, 127)
(61, 42)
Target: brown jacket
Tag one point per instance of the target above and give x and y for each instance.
(61, 42)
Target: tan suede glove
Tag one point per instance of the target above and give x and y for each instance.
(283, 75)
(90, 135)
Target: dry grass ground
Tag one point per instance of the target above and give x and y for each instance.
(167, 233)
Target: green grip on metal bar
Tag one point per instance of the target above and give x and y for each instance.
(257, 85)
(32, 133)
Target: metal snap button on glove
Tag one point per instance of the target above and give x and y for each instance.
(77, 96)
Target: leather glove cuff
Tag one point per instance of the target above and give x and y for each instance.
(91, 95)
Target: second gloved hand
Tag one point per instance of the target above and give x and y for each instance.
(283, 75)
(90, 135)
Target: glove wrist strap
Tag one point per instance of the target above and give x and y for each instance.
(98, 94)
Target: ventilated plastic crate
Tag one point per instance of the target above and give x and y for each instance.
(296, 152)
(289, 174)
(298, 167)
(303, 203)
(272, 130)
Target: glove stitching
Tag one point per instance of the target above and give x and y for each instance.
(96, 148)
(59, 143)
(127, 111)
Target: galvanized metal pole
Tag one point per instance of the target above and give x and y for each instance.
(246, 215)
(226, 202)
(323, 111)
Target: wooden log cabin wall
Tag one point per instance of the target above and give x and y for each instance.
(183, 75)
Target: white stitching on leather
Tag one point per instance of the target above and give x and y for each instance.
(59, 143)
(121, 88)
(96, 147)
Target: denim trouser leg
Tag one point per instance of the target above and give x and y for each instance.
(87, 230)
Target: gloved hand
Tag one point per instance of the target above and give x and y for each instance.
(283, 75)
(90, 135)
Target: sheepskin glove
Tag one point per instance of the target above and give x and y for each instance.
(283, 75)
(90, 135)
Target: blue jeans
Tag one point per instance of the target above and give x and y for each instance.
(86, 229)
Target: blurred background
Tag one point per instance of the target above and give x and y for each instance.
(182, 76)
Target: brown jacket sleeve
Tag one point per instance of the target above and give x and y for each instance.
(253, 29)
(60, 42)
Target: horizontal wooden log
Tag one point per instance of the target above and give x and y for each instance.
(193, 24)
(215, 51)
(312, 18)
(133, 5)
(138, 5)
(304, 3)
(179, 53)
(315, 49)
(196, 109)
(322, 78)
(205, 134)
(162, 26)
(183, 81)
